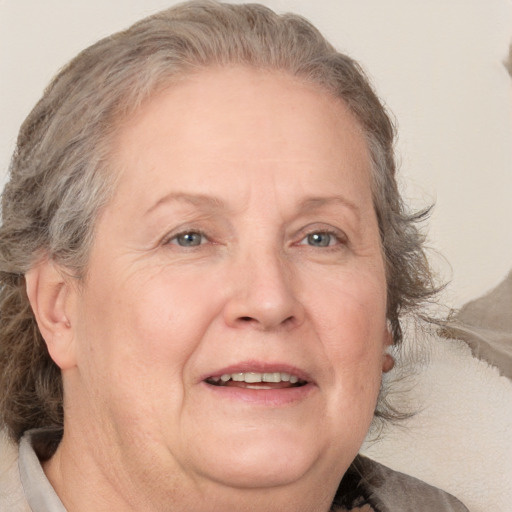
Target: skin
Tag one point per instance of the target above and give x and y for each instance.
(257, 167)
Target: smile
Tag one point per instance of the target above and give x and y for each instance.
(256, 380)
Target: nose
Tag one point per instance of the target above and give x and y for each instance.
(263, 294)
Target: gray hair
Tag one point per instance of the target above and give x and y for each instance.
(61, 174)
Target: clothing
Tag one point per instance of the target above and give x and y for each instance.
(25, 488)
(386, 490)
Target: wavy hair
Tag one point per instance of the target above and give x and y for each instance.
(61, 173)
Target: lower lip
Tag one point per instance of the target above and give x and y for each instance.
(264, 397)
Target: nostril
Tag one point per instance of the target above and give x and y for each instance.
(249, 320)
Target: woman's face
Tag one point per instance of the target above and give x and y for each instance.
(241, 246)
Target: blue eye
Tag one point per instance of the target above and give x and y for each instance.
(320, 239)
(188, 239)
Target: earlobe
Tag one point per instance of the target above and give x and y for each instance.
(388, 362)
(50, 295)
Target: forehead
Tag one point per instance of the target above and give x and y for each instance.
(237, 120)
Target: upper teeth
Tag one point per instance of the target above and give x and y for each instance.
(251, 377)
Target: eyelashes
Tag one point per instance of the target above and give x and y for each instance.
(323, 239)
(317, 238)
(188, 239)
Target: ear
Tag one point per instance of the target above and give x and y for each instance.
(51, 293)
(388, 361)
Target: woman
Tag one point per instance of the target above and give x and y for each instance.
(204, 260)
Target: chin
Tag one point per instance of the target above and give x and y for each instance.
(260, 459)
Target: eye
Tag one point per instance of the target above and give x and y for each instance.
(321, 239)
(188, 239)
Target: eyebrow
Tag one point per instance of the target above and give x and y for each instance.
(202, 200)
(314, 203)
(215, 203)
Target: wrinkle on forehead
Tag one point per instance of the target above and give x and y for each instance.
(265, 134)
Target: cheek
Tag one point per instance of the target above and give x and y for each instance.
(351, 311)
(350, 318)
(136, 338)
(157, 318)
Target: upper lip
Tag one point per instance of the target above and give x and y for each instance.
(259, 367)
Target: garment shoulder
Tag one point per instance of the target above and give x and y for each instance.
(12, 498)
(392, 491)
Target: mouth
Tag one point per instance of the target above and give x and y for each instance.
(257, 380)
